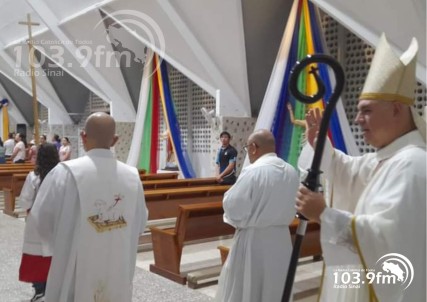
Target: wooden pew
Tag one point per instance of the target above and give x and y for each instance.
(6, 176)
(164, 203)
(171, 183)
(10, 194)
(172, 197)
(158, 176)
(195, 222)
(6, 167)
(310, 245)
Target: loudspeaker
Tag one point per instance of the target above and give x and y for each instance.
(21, 128)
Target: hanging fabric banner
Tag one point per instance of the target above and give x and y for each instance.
(135, 148)
(288, 124)
(172, 124)
(150, 138)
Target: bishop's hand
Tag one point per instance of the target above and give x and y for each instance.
(310, 204)
(313, 119)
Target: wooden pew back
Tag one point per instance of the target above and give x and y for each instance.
(195, 222)
(171, 183)
(164, 203)
(144, 176)
(16, 167)
(10, 194)
(161, 204)
(18, 181)
(201, 221)
(6, 177)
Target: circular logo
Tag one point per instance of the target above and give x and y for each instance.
(140, 26)
(398, 266)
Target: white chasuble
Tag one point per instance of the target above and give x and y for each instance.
(94, 228)
(108, 207)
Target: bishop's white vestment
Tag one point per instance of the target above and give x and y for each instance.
(91, 211)
(260, 206)
(379, 207)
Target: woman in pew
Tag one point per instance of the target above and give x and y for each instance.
(36, 257)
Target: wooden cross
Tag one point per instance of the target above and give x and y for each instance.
(33, 77)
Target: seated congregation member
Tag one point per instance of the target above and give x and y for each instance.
(260, 206)
(226, 161)
(19, 151)
(379, 198)
(36, 257)
(91, 211)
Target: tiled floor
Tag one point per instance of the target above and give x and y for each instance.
(197, 256)
(147, 287)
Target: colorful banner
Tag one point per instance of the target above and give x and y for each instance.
(149, 158)
(306, 39)
(169, 113)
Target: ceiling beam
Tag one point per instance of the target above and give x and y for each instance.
(204, 58)
(161, 52)
(121, 109)
(9, 69)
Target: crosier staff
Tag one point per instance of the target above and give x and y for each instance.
(312, 179)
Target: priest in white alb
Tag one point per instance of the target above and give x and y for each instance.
(260, 205)
(373, 236)
(91, 211)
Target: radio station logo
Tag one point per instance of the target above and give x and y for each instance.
(390, 269)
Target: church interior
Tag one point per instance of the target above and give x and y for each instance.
(174, 75)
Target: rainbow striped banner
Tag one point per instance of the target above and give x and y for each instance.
(304, 39)
(159, 93)
(148, 159)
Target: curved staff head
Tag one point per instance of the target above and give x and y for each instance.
(312, 178)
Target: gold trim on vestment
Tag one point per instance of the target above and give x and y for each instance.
(390, 97)
(372, 294)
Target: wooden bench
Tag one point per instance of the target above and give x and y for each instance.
(15, 166)
(195, 222)
(171, 183)
(164, 203)
(310, 245)
(11, 193)
(158, 176)
(12, 189)
(6, 176)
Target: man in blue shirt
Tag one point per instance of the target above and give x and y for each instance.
(226, 161)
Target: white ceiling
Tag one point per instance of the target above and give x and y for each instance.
(205, 40)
